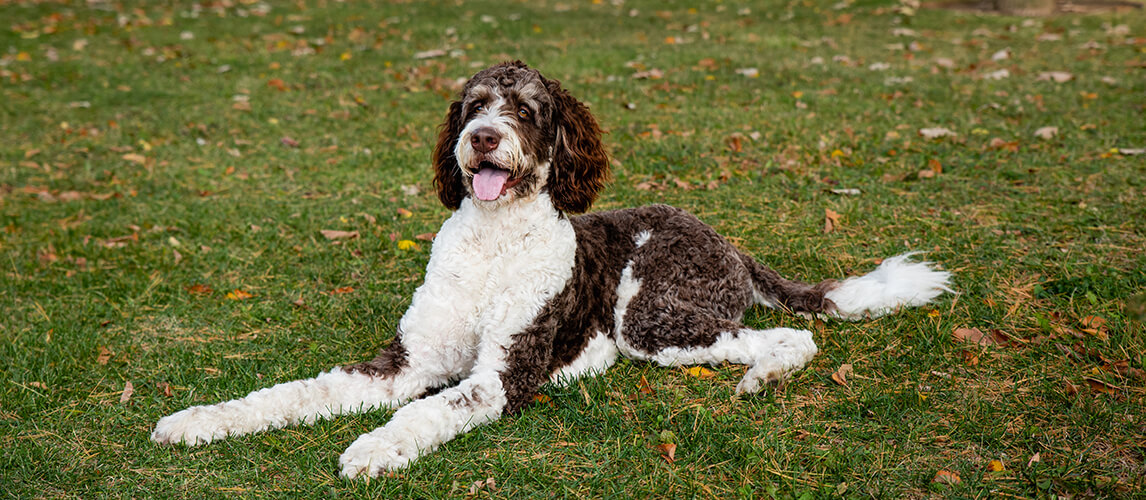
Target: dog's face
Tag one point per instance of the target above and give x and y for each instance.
(514, 134)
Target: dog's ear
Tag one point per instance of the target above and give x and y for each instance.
(448, 178)
(580, 163)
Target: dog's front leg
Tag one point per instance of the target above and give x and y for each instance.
(381, 383)
(505, 379)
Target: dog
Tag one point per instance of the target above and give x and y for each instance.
(520, 291)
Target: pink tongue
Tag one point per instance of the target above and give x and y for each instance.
(488, 183)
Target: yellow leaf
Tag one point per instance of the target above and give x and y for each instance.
(407, 245)
(238, 294)
(345, 56)
(995, 466)
(797, 94)
(701, 372)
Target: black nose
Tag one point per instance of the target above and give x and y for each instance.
(485, 139)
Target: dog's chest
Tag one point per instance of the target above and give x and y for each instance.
(502, 267)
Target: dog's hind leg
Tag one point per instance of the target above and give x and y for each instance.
(385, 382)
(656, 321)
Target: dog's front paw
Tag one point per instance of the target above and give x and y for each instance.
(193, 426)
(377, 452)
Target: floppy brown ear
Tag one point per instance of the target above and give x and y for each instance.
(580, 163)
(448, 178)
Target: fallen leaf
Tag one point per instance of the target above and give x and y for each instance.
(135, 158)
(541, 398)
(128, 390)
(946, 477)
(164, 388)
(1046, 133)
(487, 484)
(831, 220)
(652, 74)
(700, 372)
(643, 386)
(288, 142)
(974, 336)
(277, 84)
(300, 303)
(936, 132)
(1102, 387)
(407, 245)
(104, 355)
(1055, 76)
(238, 294)
(749, 72)
(429, 54)
(995, 466)
(425, 236)
(405, 213)
(840, 376)
(200, 289)
(1036, 458)
(1070, 388)
(338, 235)
(668, 451)
(343, 290)
(847, 191)
(1094, 325)
(997, 75)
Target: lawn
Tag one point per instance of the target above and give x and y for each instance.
(168, 170)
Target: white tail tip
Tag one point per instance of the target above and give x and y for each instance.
(896, 283)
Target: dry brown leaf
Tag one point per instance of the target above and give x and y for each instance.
(164, 388)
(1070, 388)
(831, 220)
(1102, 387)
(487, 484)
(104, 355)
(200, 289)
(128, 390)
(643, 386)
(668, 451)
(974, 336)
(425, 236)
(946, 477)
(338, 235)
(840, 376)
(288, 142)
(343, 290)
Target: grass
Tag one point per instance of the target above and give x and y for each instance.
(146, 172)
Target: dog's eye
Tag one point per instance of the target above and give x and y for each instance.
(479, 107)
(523, 113)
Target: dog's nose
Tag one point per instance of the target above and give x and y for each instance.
(485, 139)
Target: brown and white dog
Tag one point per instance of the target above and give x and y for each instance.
(519, 293)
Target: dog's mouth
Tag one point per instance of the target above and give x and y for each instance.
(491, 182)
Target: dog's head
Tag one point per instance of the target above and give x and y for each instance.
(513, 134)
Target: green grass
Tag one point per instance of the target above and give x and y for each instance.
(121, 120)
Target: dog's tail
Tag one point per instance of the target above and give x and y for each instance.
(897, 282)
